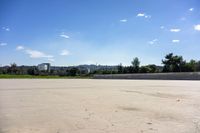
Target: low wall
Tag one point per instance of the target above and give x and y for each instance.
(161, 76)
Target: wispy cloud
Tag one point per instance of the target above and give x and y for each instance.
(19, 48)
(175, 30)
(153, 41)
(162, 27)
(123, 20)
(197, 27)
(3, 44)
(64, 52)
(191, 9)
(147, 16)
(37, 54)
(143, 15)
(175, 41)
(51, 59)
(64, 36)
(6, 28)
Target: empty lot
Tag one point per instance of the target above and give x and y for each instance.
(99, 106)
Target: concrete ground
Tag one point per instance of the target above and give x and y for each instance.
(99, 106)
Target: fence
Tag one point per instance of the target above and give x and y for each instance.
(157, 76)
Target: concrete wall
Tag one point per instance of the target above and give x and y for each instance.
(161, 76)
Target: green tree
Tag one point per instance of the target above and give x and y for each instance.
(13, 68)
(73, 71)
(135, 64)
(193, 65)
(153, 68)
(144, 69)
(198, 66)
(34, 71)
(120, 68)
(172, 63)
(148, 69)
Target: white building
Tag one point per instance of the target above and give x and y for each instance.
(44, 67)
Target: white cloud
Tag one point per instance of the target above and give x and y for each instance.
(3, 44)
(147, 16)
(143, 15)
(123, 20)
(197, 27)
(191, 9)
(153, 41)
(19, 48)
(175, 41)
(140, 15)
(175, 30)
(162, 27)
(6, 28)
(51, 59)
(64, 36)
(64, 52)
(37, 54)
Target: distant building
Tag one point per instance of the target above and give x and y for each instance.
(44, 67)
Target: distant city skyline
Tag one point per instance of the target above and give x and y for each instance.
(106, 32)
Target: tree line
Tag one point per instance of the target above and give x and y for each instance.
(33, 70)
(171, 63)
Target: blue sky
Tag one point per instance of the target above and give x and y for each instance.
(72, 32)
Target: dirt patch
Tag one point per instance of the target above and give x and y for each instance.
(129, 108)
(157, 94)
(154, 114)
